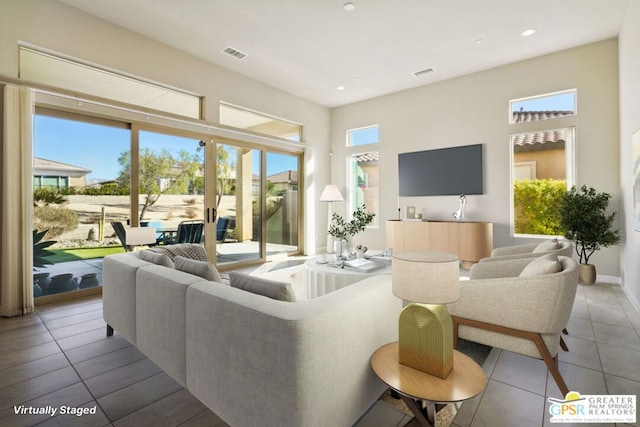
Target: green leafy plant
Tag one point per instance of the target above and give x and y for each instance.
(536, 206)
(40, 251)
(584, 220)
(340, 229)
(47, 196)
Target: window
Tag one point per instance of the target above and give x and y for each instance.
(363, 183)
(543, 107)
(542, 170)
(242, 118)
(56, 71)
(362, 136)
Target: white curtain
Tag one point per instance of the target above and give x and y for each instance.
(16, 206)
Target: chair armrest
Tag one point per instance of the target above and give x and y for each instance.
(513, 250)
(537, 304)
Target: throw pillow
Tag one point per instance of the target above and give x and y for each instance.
(187, 250)
(546, 264)
(156, 258)
(546, 246)
(203, 269)
(281, 291)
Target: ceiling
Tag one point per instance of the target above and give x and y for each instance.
(311, 47)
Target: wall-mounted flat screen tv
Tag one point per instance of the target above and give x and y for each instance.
(446, 171)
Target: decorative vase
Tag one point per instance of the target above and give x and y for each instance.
(62, 283)
(42, 279)
(340, 248)
(587, 274)
(89, 280)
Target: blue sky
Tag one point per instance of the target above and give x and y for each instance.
(98, 147)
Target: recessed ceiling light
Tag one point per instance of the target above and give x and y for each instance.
(349, 6)
(340, 88)
(529, 32)
(355, 79)
(479, 41)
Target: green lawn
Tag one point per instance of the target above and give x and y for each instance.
(77, 254)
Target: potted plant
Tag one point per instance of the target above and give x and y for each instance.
(585, 221)
(340, 229)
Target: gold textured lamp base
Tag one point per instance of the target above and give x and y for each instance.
(425, 339)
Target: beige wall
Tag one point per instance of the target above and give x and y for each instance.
(629, 123)
(55, 26)
(475, 109)
(550, 164)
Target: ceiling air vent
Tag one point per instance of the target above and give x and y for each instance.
(423, 72)
(234, 52)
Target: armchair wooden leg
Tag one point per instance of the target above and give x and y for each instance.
(109, 331)
(564, 331)
(551, 362)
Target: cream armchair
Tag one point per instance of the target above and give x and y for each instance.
(534, 250)
(500, 308)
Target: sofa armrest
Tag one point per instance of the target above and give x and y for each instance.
(245, 348)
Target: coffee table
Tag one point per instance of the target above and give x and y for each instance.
(415, 387)
(322, 278)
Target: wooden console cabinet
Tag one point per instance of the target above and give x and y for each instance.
(470, 241)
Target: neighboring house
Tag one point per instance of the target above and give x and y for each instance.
(284, 181)
(52, 174)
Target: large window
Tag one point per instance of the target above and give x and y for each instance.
(64, 73)
(542, 161)
(363, 171)
(542, 171)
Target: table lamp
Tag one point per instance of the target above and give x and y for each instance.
(330, 194)
(137, 236)
(427, 280)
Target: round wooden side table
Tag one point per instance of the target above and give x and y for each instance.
(415, 387)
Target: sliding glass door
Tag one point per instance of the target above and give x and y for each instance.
(257, 200)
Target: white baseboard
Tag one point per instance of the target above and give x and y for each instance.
(610, 280)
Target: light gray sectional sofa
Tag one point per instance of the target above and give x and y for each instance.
(252, 360)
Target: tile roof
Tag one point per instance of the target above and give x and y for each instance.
(532, 116)
(539, 137)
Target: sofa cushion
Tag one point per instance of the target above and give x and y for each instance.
(203, 269)
(546, 264)
(156, 258)
(269, 288)
(546, 246)
(187, 250)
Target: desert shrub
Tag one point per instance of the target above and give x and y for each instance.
(108, 189)
(191, 213)
(191, 201)
(56, 220)
(170, 215)
(536, 203)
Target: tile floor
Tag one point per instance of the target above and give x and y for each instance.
(60, 356)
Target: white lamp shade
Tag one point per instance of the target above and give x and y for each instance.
(331, 193)
(426, 277)
(135, 236)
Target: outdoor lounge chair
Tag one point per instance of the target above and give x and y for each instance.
(190, 232)
(222, 226)
(121, 234)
